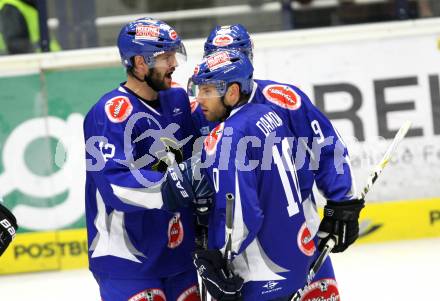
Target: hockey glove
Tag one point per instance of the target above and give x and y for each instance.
(201, 236)
(176, 189)
(8, 227)
(201, 187)
(211, 267)
(341, 221)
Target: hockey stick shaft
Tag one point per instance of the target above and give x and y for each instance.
(372, 178)
(316, 266)
(229, 224)
(377, 170)
(204, 246)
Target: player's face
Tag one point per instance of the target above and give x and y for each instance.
(210, 102)
(161, 74)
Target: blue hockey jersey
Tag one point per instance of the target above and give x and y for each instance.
(250, 156)
(129, 234)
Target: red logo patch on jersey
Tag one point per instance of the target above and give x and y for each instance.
(193, 104)
(213, 138)
(147, 32)
(324, 289)
(283, 96)
(175, 231)
(305, 241)
(191, 294)
(222, 40)
(173, 34)
(118, 108)
(218, 60)
(153, 294)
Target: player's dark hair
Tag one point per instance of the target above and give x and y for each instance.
(244, 97)
(241, 100)
(130, 70)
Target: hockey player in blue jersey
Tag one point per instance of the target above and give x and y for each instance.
(140, 234)
(330, 164)
(270, 239)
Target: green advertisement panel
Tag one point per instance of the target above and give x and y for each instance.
(42, 167)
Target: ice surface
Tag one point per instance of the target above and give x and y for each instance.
(406, 270)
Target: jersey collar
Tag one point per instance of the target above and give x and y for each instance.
(126, 91)
(254, 88)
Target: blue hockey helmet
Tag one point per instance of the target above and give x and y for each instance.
(148, 37)
(222, 68)
(229, 37)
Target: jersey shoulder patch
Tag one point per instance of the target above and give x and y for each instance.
(211, 141)
(283, 96)
(118, 108)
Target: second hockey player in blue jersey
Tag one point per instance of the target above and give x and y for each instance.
(271, 244)
(330, 162)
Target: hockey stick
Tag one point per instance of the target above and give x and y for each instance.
(228, 249)
(229, 217)
(377, 170)
(372, 178)
(229, 227)
(204, 246)
(317, 264)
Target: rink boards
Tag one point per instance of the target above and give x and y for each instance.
(67, 249)
(369, 81)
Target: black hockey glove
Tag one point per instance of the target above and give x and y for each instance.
(341, 221)
(201, 187)
(8, 227)
(176, 189)
(211, 267)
